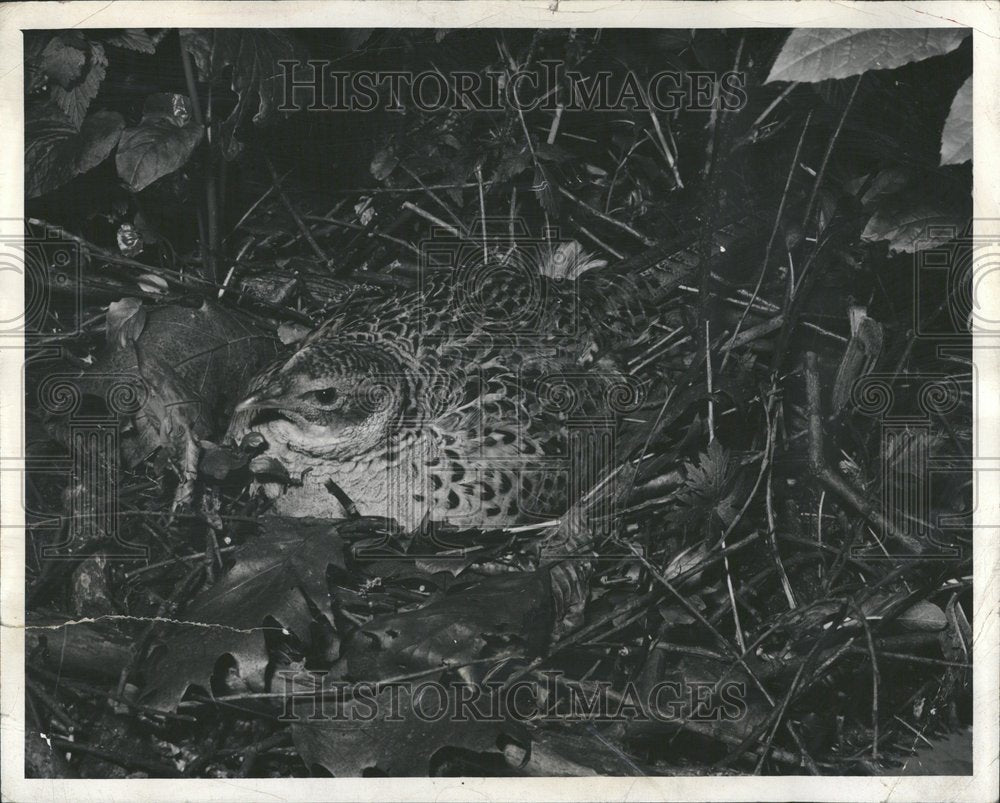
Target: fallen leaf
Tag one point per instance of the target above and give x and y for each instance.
(207, 354)
(500, 617)
(275, 576)
(396, 731)
(125, 321)
(911, 224)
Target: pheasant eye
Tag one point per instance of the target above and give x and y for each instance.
(325, 395)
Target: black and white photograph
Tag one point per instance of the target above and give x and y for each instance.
(500, 400)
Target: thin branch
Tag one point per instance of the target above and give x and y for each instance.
(770, 240)
(833, 481)
(434, 219)
(290, 207)
(772, 535)
(433, 195)
(348, 225)
(771, 107)
(875, 677)
(210, 249)
(829, 150)
(482, 213)
(607, 218)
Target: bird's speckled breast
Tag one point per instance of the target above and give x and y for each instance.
(431, 476)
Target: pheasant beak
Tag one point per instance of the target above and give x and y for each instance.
(266, 399)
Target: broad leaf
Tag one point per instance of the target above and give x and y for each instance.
(710, 711)
(817, 54)
(99, 134)
(162, 142)
(383, 163)
(47, 163)
(62, 60)
(501, 617)
(257, 77)
(211, 354)
(886, 183)
(395, 730)
(276, 576)
(921, 615)
(55, 151)
(910, 224)
(707, 488)
(125, 321)
(133, 39)
(74, 99)
(956, 138)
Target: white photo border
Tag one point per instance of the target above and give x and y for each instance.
(982, 16)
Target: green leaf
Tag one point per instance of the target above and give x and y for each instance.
(75, 98)
(47, 131)
(817, 54)
(956, 138)
(256, 75)
(125, 321)
(99, 134)
(160, 144)
(55, 151)
(133, 39)
(911, 225)
(62, 61)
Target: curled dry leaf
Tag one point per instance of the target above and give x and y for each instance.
(171, 375)
(152, 284)
(276, 576)
(395, 730)
(501, 617)
(125, 321)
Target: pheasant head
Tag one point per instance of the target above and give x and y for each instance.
(332, 399)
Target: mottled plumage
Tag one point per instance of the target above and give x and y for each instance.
(482, 398)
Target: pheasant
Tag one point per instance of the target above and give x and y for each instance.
(488, 396)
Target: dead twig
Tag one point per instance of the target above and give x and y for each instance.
(165, 609)
(826, 155)
(770, 240)
(648, 241)
(434, 219)
(119, 758)
(290, 207)
(833, 481)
